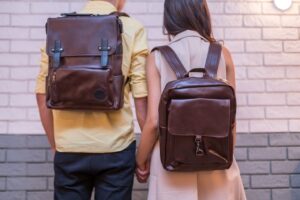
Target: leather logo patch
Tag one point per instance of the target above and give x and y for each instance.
(100, 95)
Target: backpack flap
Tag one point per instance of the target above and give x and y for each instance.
(82, 36)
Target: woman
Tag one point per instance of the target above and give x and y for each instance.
(188, 23)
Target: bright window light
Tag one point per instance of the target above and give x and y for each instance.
(283, 4)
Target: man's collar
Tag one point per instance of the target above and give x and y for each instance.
(98, 7)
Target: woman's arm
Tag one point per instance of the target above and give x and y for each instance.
(230, 76)
(149, 133)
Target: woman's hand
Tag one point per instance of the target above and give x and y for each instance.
(142, 171)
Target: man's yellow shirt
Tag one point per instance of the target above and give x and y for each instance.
(99, 131)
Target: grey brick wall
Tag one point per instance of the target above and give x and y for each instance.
(270, 171)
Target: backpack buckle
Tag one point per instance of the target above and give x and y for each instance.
(104, 50)
(57, 50)
(199, 146)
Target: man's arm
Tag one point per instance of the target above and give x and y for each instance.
(46, 119)
(141, 110)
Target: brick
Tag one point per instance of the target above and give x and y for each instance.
(283, 112)
(241, 99)
(4, 99)
(295, 180)
(282, 59)
(240, 154)
(13, 195)
(4, 46)
(264, 126)
(25, 127)
(14, 7)
(50, 155)
(13, 59)
(241, 73)
(270, 181)
(4, 73)
(293, 72)
(37, 141)
(26, 183)
(33, 114)
(43, 169)
(285, 167)
(2, 183)
(45, 195)
(25, 155)
(215, 8)
(248, 59)
(250, 86)
(254, 167)
(11, 141)
(258, 194)
(227, 20)
(235, 46)
(266, 99)
(218, 33)
(292, 46)
(252, 140)
(3, 127)
(29, 20)
(242, 126)
(290, 21)
(31, 86)
(2, 155)
(243, 8)
(24, 73)
(264, 46)
(285, 139)
(22, 100)
(294, 152)
(262, 21)
(246, 181)
(267, 153)
(38, 33)
(14, 33)
(149, 20)
(26, 46)
(156, 7)
(156, 34)
(13, 86)
(51, 183)
(12, 169)
(283, 85)
(136, 7)
(293, 98)
(242, 33)
(294, 125)
(76, 5)
(266, 73)
(291, 194)
(280, 33)
(250, 113)
(4, 20)
(12, 114)
(49, 7)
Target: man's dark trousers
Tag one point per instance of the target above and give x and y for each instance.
(111, 174)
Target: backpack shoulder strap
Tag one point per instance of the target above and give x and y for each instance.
(213, 59)
(172, 60)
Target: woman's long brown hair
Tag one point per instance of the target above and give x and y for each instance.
(182, 15)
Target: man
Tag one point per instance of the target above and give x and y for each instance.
(95, 149)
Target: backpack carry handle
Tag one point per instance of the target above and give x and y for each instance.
(197, 70)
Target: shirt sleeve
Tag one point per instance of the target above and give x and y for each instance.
(137, 72)
(41, 78)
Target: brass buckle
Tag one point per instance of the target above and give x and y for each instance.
(199, 146)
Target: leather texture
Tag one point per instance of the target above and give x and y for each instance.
(85, 62)
(196, 117)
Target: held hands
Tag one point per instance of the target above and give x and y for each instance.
(142, 171)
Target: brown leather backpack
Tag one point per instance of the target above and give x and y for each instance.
(85, 62)
(196, 117)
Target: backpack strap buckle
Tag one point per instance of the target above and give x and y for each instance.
(104, 51)
(57, 50)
